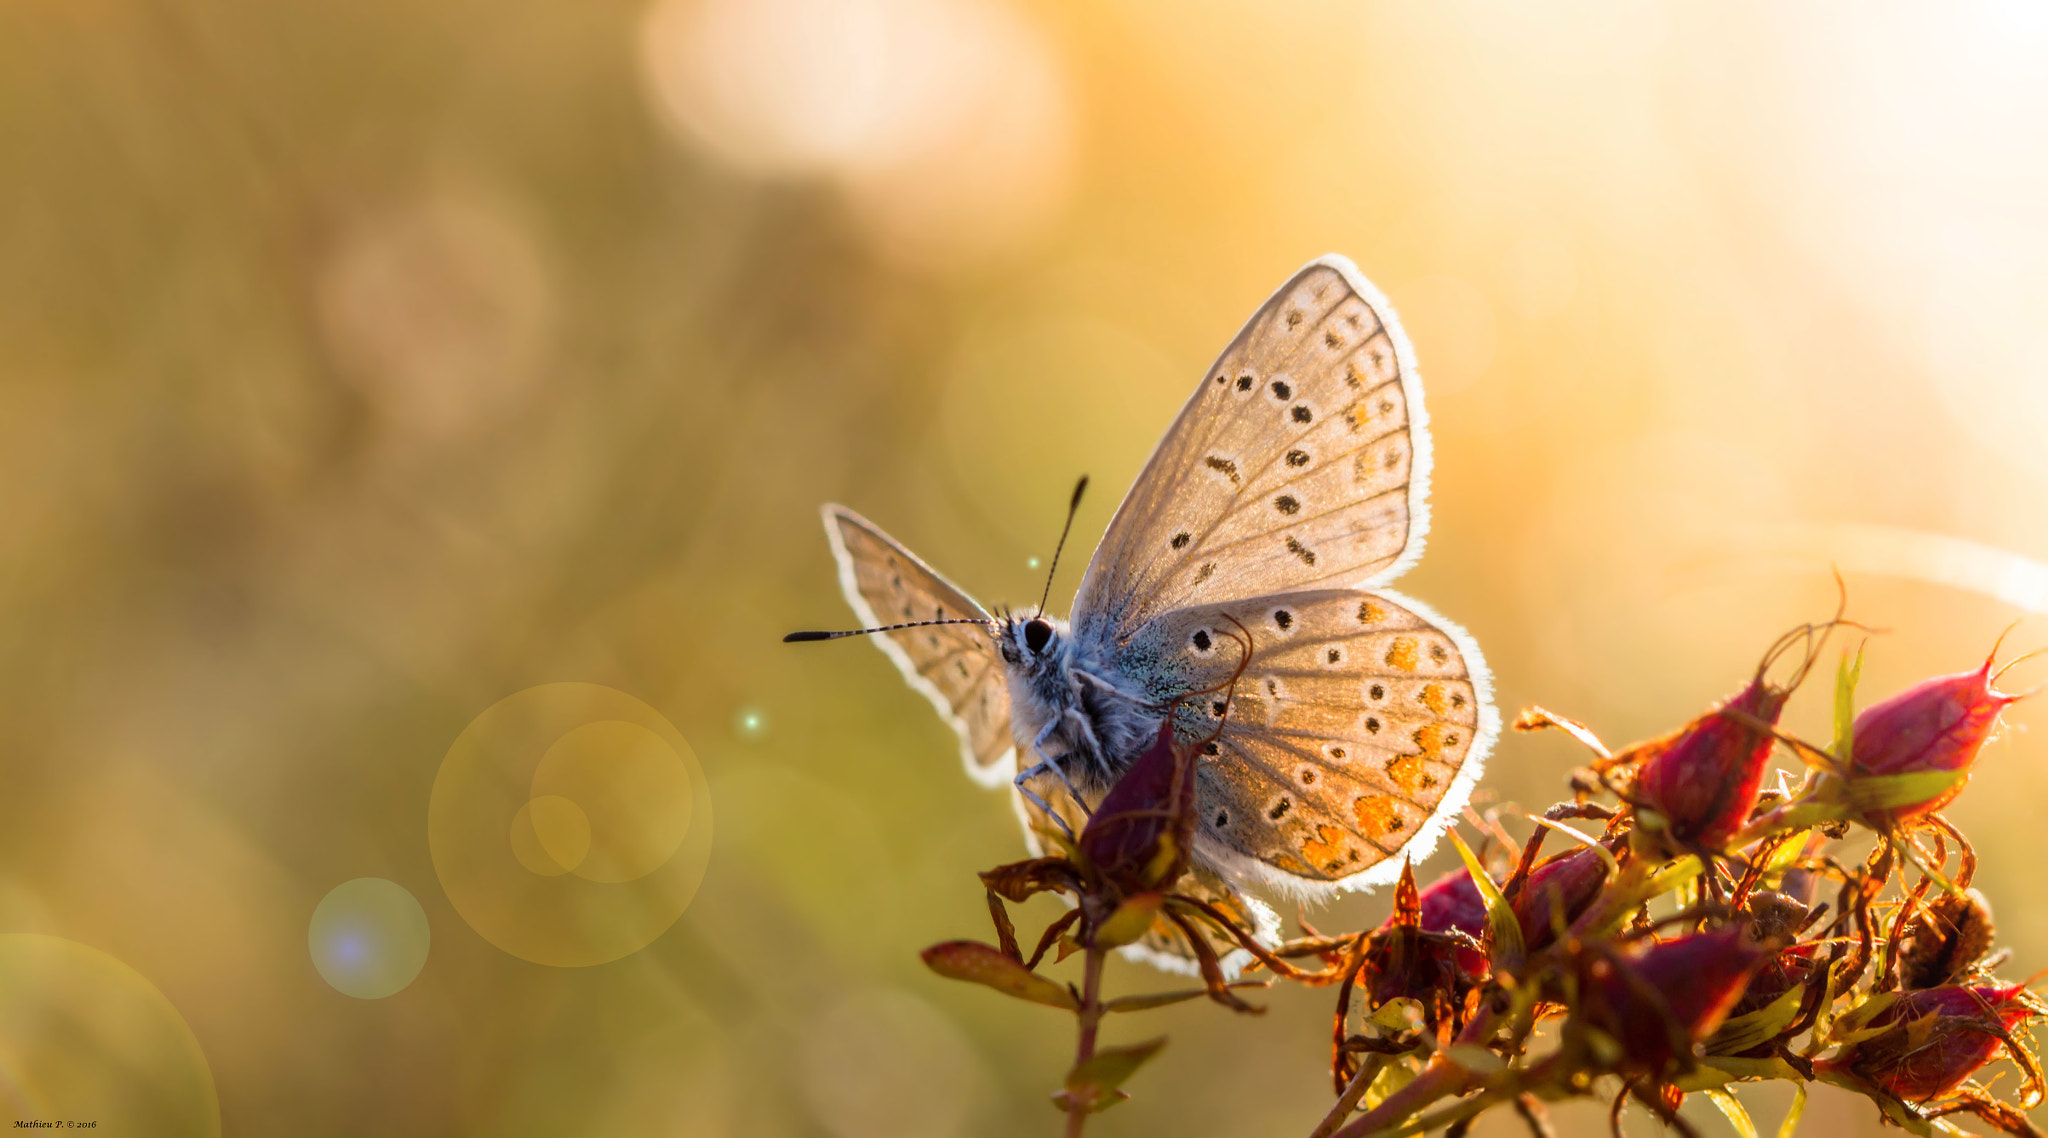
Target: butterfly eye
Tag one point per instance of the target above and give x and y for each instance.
(1037, 634)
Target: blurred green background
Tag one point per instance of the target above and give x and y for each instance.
(362, 365)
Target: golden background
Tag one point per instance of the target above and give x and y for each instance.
(362, 365)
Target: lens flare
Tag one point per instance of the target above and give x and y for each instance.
(84, 1038)
(369, 938)
(570, 824)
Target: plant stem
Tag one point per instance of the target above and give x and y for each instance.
(1440, 1078)
(1368, 1069)
(1090, 1016)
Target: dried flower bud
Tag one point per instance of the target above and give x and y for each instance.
(1945, 937)
(1938, 1037)
(1935, 725)
(1139, 837)
(1673, 994)
(1556, 892)
(1452, 904)
(1408, 958)
(1773, 916)
(1704, 778)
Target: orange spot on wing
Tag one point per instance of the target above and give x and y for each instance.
(1402, 654)
(1405, 770)
(1376, 814)
(1433, 698)
(1326, 849)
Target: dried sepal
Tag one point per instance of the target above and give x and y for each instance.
(989, 966)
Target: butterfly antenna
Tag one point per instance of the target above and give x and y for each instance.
(1073, 505)
(805, 637)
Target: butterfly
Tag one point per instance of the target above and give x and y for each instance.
(1290, 489)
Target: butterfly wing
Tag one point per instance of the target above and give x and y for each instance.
(1355, 733)
(1302, 460)
(956, 666)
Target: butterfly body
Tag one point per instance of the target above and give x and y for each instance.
(1241, 584)
(1072, 707)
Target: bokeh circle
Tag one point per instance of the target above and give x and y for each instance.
(84, 1038)
(368, 938)
(570, 824)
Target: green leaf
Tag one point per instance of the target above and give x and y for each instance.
(1677, 875)
(1732, 1107)
(1095, 1080)
(1846, 677)
(1391, 1078)
(1791, 1123)
(1162, 999)
(1507, 931)
(1852, 1026)
(1725, 1069)
(1400, 1014)
(1638, 885)
(1883, 791)
(1746, 1031)
(1782, 858)
(985, 964)
(1060, 1102)
(1131, 921)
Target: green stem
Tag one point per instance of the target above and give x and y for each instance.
(1091, 1018)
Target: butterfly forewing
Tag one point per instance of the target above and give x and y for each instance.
(1351, 736)
(1300, 461)
(956, 666)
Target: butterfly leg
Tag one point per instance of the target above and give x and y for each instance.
(1032, 797)
(1045, 764)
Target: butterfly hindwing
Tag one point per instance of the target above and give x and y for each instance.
(1355, 732)
(956, 666)
(1301, 461)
